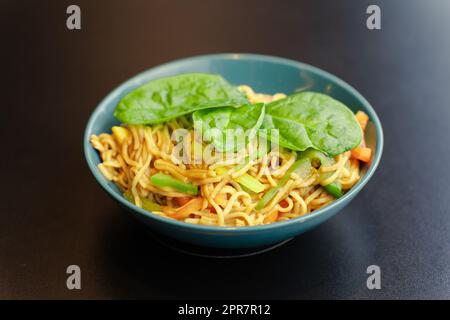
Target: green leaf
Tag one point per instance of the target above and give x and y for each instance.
(301, 121)
(244, 123)
(310, 119)
(166, 98)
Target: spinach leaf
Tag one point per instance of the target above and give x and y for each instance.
(310, 119)
(167, 98)
(301, 121)
(242, 123)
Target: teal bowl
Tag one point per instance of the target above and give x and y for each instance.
(264, 74)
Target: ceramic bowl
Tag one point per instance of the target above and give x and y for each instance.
(265, 74)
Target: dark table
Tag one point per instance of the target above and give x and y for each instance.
(53, 214)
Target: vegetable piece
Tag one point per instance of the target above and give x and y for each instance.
(335, 189)
(120, 133)
(166, 98)
(283, 203)
(183, 212)
(318, 159)
(303, 167)
(250, 182)
(362, 118)
(272, 192)
(163, 180)
(212, 209)
(147, 204)
(268, 196)
(303, 120)
(221, 199)
(181, 201)
(247, 190)
(362, 153)
(246, 180)
(243, 124)
(313, 120)
(271, 218)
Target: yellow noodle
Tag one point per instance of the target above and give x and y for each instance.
(146, 150)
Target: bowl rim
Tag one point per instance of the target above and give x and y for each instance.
(137, 80)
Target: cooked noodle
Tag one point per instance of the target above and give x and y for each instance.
(148, 150)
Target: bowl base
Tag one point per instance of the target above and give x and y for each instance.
(214, 253)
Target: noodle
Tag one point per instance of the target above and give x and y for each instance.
(148, 150)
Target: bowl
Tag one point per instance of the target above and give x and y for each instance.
(265, 74)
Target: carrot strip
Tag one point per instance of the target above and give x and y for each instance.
(181, 201)
(183, 212)
(362, 153)
(221, 199)
(272, 217)
(362, 118)
(212, 209)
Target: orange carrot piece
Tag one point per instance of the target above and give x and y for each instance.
(362, 118)
(181, 201)
(221, 199)
(212, 209)
(272, 217)
(362, 153)
(183, 212)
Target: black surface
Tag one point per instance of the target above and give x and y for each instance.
(53, 214)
